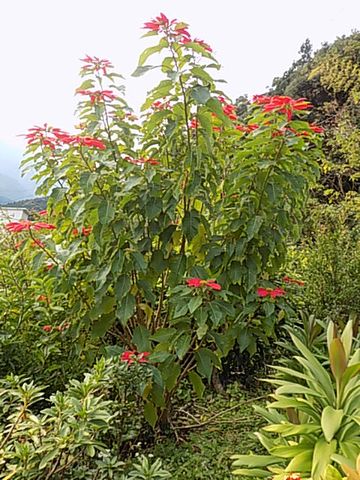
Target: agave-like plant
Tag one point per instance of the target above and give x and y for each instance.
(315, 416)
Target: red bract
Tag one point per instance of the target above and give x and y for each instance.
(131, 356)
(142, 161)
(293, 476)
(271, 292)
(18, 226)
(143, 357)
(203, 44)
(197, 282)
(160, 105)
(316, 128)
(43, 226)
(49, 266)
(43, 213)
(47, 328)
(229, 111)
(89, 142)
(161, 24)
(282, 104)
(128, 356)
(247, 128)
(98, 95)
(213, 284)
(46, 136)
(86, 231)
(95, 64)
(287, 279)
(194, 124)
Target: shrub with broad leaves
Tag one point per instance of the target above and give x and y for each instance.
(167, 225)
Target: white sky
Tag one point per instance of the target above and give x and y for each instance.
(41, 42)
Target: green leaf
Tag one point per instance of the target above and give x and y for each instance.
(86, 85)
(141, 338)
(190, 224)
(205, 359)
(106, 212)
(195, 303)
(197, 383)
(331, 421)
(122, 286)
(331, 473)
(159, 356)
(48, 458)
(147, 53)
(253, 227)
(163, 335)
(102, 325)
(125, 308)
(255, 461)
(247, 472)
(200, 94)
(106, 305)
(150, 413)
(141, 70)
(322, 457)
(347, 338)
(338, 361)
(182, 345)
(301, 462)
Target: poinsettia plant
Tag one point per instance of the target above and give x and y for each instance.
(167, 224)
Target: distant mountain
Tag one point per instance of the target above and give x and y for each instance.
(11, 189)
(32, 204)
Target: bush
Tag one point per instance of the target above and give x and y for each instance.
(315, 413)
(76, 430)
(329, 262)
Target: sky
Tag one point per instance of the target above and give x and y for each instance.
(41, 42)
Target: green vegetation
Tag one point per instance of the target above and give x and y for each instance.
(170, 260)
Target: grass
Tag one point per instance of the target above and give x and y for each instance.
(203, 452)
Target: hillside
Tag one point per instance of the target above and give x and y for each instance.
(32, 204)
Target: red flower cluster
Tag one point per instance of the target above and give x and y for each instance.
(229, 111)
(131, 356)
(142, 161)
(173, 28)
(282, 104)
(59, 328)
(84, 231)
(98, 95)
(287, 279)
(16, 226)
(160, 105)
(197, 282)
(271, 292)
(247, 128)
(194, 124)
(52, 137)
(43, 213)
(162, 24)
(95, 64)
(203, 44)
